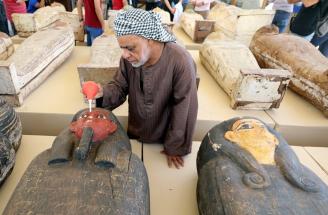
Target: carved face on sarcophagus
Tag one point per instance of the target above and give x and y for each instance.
(308, 66)
(10, 137)
(92, 172)
(245, 167)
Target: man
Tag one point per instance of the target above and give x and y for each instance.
(306, 22)
(94, 21)
(160, 78)
(283, 13)
(13, 6)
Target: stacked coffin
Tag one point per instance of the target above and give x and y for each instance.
(235, 69)
(28, 23)
(195, 26)
(104, 62)
(33, 61)
(72, 19)
(307, 65)
(239, 24)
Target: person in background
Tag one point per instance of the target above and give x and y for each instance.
(152, 4)
(93, 20)
(118, 4)
(202, 7)
(33, 5)
(159, 78)
(184, 4)
(169, 7)
(14, 6)
(322, 43)
(307, 19)
(304, 23)
(284, 10)
(3, 19)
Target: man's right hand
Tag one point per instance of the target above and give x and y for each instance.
(100, 92)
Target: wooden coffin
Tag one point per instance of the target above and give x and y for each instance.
(308, 66)
(110, 180)
(33, 61)
(6, 46)
(246, 167)
(28, 23)
(104, 61)
(165, 18)
(72, 19)
(235, 69)
(195, 26)
(239, 24)
(10, 138)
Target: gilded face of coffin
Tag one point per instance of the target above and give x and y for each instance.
(253, 136)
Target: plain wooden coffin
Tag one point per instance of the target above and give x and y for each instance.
(33, 61)
(235, 69)
(28, 23)
(104, 61)
(239, 24)
(195, 26)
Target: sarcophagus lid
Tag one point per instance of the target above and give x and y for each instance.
(85, 175)
(105, 59)
(10, 137)
(246, 167)
(235, 69)
(239, 24)
(195, 26)
(28, 23)
(308, 66)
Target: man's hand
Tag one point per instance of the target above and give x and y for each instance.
(173, 10)
(177, 161)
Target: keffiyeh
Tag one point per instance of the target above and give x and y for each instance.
(142, 23)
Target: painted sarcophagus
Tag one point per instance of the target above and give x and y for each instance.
(10, 138)
(308, 66)
(89, 169)
(246, 167)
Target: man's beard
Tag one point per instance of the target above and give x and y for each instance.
(140, 63)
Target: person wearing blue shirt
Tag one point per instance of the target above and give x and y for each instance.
(33, 5)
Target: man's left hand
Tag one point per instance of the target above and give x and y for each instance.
(177, 161)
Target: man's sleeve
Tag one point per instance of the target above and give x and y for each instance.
(184, 112)
(115, 92)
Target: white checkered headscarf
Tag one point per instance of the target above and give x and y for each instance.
(142, 23)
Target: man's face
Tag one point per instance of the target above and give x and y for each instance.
(135, 49)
